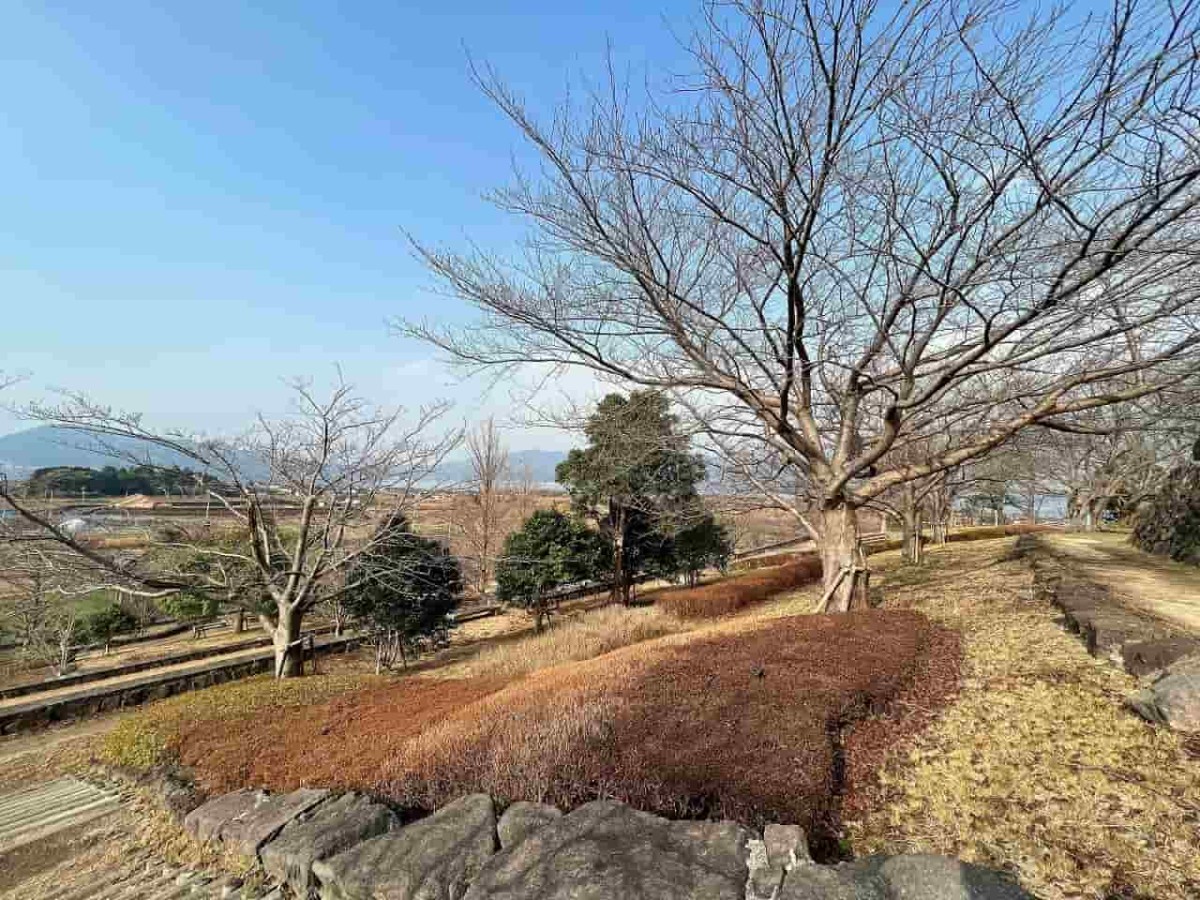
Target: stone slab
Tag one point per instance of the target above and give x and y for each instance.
(787, 845)
(521, 819)
(1142, 658)
(1173, 699)
(915, 876)
(432, 859)
(325, 830)
(206, 821)
(249, 830)
(606, 851)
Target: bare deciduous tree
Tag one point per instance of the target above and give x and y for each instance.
(304, 491)
(856, 217)
(1112, 460)
(526, 491)
(481, 521)
(39, 604)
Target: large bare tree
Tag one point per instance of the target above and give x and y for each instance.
(303, 495)
(856, 219)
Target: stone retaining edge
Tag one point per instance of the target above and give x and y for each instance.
(102, 699)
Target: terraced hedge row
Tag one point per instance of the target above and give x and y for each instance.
(744, 723)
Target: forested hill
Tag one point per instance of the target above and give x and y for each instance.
(110, 481)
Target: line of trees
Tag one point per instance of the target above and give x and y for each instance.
(300, 489)
(111, 481)
(636, 511)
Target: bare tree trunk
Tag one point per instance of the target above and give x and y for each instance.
(489, 464)
(285, 636)
(843, 577)
(66, 655)
(910, 524)
(540, 610)
(620, 587)
(239, 621)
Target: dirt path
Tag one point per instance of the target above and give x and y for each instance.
(97, 661)
(1160, 587)
(176, 669)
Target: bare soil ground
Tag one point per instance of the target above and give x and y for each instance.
(1161, 587)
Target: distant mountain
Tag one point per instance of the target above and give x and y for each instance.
(541, 465)
(48, 445)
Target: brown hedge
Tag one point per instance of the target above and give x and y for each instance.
(746, 725)
(729, 595)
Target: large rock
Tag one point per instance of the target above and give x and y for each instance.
(782, 848)
(433, 859)
(786, 845)
(910, 877)
(764, 878)
(207, 820)
(1149, 657)
(249, 830)
(328, 829)
(1173, 699)
(851, 881)
(606, 851)
(522, 819)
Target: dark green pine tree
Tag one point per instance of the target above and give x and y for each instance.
(549, 550)
(403, 590)
(637, 478)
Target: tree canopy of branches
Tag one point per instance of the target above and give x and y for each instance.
(549, 550)
(855, 219)
(298, 490)
(405, 589)
(636, 478)
(40, 604)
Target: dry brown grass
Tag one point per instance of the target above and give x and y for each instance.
(47, 762)
(145, 738)
(585, 636)
(727, 722)
(1037, 767)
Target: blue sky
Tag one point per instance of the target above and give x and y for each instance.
(202, 199)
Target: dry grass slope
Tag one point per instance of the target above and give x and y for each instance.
(150, 736)
(737, 720)
(1037, 767)
(574, 640)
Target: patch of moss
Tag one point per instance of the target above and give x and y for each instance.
(147, 738)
